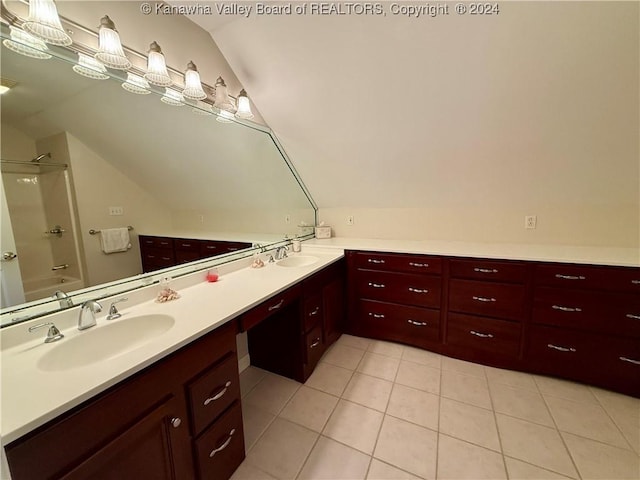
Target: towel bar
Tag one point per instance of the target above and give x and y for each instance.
(93, 232)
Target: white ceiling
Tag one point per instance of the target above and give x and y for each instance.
(388, 111)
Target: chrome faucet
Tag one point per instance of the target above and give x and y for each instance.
(63, 299)
(281, 252)
(87, 317)
(113, 311)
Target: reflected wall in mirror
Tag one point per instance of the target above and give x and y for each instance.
(81, 154)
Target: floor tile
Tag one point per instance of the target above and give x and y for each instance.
(310, 408)
(536, 444)
(461, 366)
(331, 460)
(379, 366)
(383, 471)
(565, 389)
(419, 376)
(599, 461)
(271, 393)
(369, 391)
(282, 449)
(247, 471)
(479, 463)
(519, 470)
(521, 403)
(616, 403)
(343, 356)
(465, 388)
(470, 423)
(511, 378)
(356, 342)
(585, 419)
(329, 378)
(385, 348)
(255, 422)
(630, 428)
(423, 357)
(249, 378)
(414, 406)
(354, 425)
(407, 446)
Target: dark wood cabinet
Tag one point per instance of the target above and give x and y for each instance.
(163, 252)
(147, 426)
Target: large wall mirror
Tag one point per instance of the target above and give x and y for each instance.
(77, 150)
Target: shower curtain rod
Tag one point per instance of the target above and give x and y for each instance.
(33, 164)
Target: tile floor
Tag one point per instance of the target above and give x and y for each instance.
(379, 410)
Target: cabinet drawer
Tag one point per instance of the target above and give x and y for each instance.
(209, 248)
(400, 323)
(269, 307)
(156, 242)
(419, 290)
(158, 257)
(490, 299)
(234, 246)
(509, 272)
(622, 279)
(186, 245)
(213, 392)
(220, 450)
(186, 256)
(487, 335)
(399, 263)
(314, 345)
(597, 311)
(312, 311)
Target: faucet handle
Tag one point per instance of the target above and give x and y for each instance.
(53, 335)
(113, 311)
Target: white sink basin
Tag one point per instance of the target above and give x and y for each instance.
(104, 342)
(297, 261)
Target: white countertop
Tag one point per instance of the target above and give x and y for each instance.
(31, 397)
(616, 256)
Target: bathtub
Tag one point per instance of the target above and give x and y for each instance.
(37, 288)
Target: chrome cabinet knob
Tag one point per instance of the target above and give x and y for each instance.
(176, 422)
(8, 256)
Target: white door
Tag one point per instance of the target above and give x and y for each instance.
(10, 278)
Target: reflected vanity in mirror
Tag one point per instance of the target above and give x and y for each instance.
(81, 154)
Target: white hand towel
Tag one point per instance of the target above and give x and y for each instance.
(115, 240)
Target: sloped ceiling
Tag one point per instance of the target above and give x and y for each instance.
(525, 106)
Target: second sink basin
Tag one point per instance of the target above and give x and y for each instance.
(102, 343)
(297, 261)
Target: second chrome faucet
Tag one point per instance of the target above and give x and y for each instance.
(88, 312)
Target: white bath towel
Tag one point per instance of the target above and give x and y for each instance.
(115, 240)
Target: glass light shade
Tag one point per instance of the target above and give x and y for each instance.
(223, 102)
(192, 86)
(4, 89)
(244, 107)
(44, 23)
(157, 73)
(89, 67)
(110, 51)
(26, 44)
(224, 117)
(136, 84)
(202, 108)
(173, 98)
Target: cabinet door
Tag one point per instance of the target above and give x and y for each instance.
(334, 307)
(157, 446)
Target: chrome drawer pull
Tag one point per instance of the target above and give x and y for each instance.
(418, 290)
(570, 277)
(376, 315)
(484, 299)
(373, 260)
(561, 349)
(566, 309)
(635, 282)
(481, 335)
(224, 445)
(631, 315)
(630, 360)
(315, 311)
(276, 306)
(218, 395)
(376, 285)
(485, 270)
(417, 324)
(315, 343)
(421, 265)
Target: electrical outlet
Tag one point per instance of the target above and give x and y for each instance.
(116, 211)
(287, 218)
(201, 218)
(530, 222)
(350, 220)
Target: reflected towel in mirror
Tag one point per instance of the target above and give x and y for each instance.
(114, 240)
